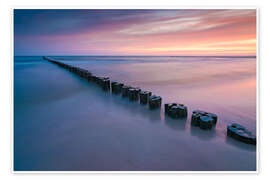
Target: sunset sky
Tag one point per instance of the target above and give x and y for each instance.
(135, 32)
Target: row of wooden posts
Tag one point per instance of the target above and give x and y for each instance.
(202, 119)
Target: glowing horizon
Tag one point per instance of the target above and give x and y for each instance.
(187, 32)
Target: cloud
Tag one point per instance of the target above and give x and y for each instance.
(196, 22)
(175, 25)
(141, 32)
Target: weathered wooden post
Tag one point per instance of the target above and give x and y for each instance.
(154, 102)
(106, 84)
(175, 110)
(133, 94)
(89, 76)
(199, 118)
(125, 90)
(203, 119)
(168, 107)
(178, 111)
(240, 133)
(206, 122)
(117, 87)
(144, 97)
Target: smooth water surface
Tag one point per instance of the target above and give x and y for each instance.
(62, 122)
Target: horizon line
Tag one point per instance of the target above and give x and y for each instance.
(147, 55)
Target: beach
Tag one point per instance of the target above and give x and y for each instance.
(64, 123)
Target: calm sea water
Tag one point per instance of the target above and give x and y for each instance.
(62, 122)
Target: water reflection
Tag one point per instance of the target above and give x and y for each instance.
(240, 145)
(154, 115)
(193, 81)
(124, 128)
(203, 134)
(133, 107)
(176, 124)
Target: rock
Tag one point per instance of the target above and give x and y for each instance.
(133, 94)
(154, 102)
(203, 119)
(175, 110)
(144, 96)
(240, 133)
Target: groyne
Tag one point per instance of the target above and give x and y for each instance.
(203, 120)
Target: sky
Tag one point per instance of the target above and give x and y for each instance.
(123, 32)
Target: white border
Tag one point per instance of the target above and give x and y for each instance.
(143, 172)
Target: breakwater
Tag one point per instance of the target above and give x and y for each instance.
(201, 119)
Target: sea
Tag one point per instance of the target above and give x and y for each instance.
(64, 123)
